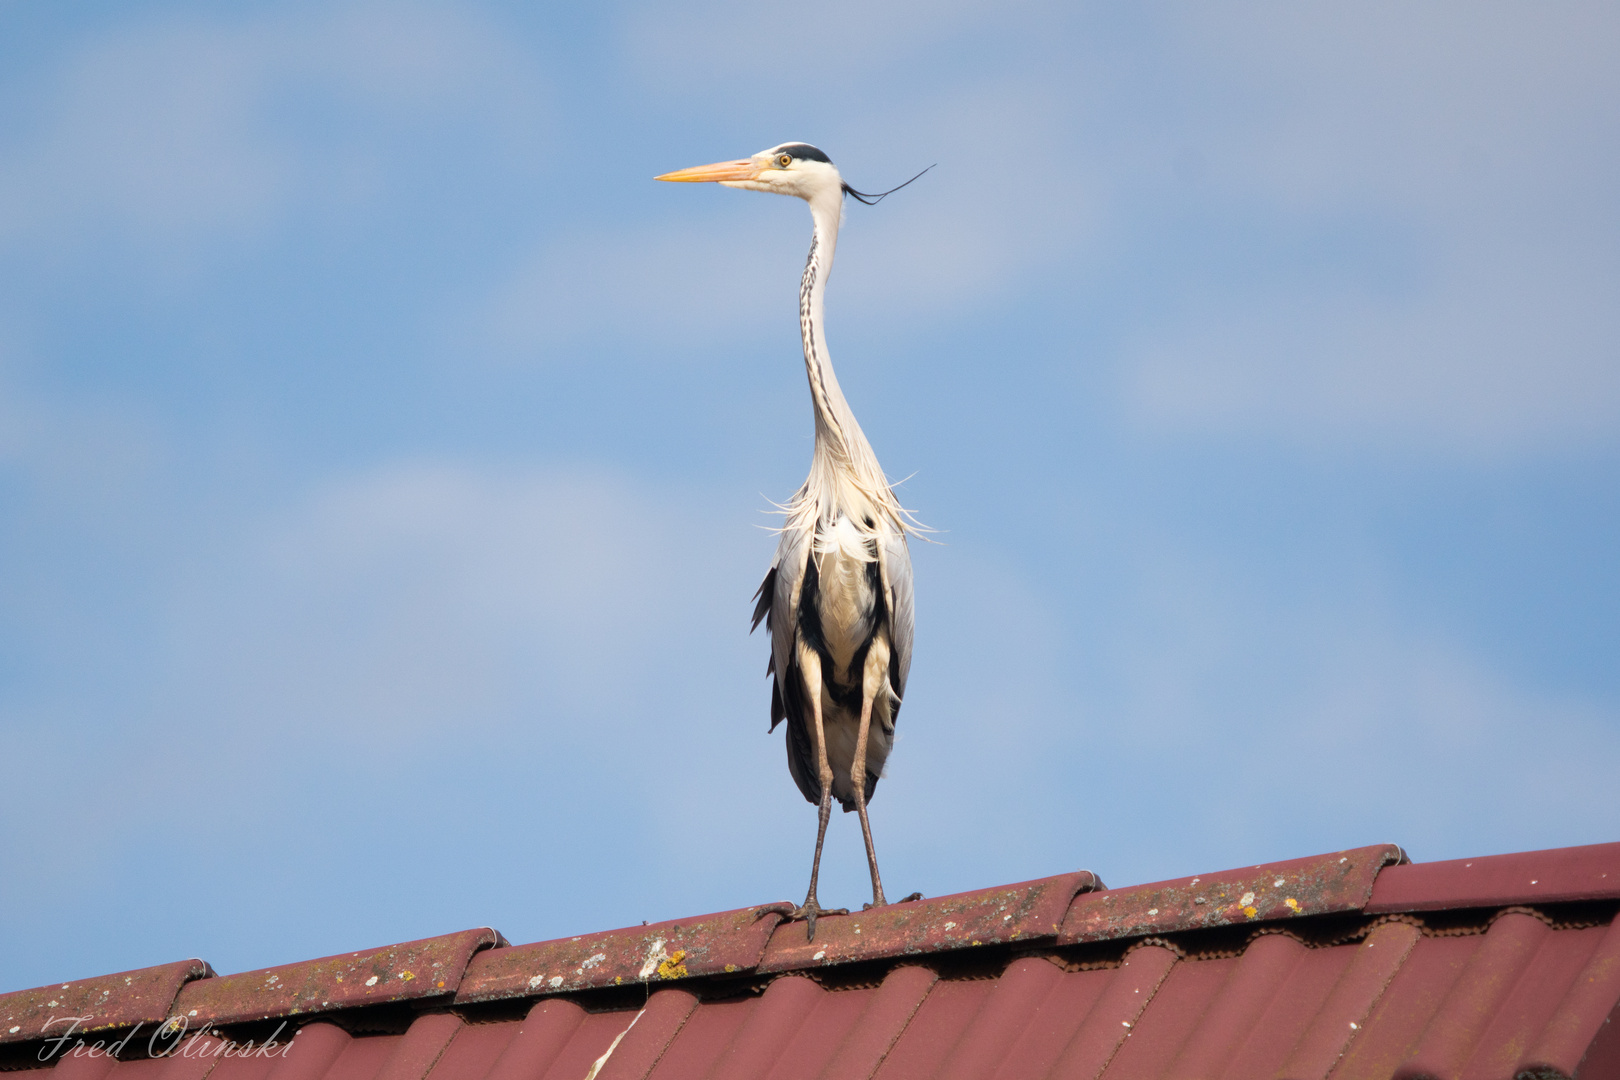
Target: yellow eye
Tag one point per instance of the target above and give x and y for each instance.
(784, 160)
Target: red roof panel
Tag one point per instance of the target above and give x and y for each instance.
(884, 1016)
(1052, 1024)
(242, 1068)
(1321, 884)
(1533, 999)
(647, 1034)
(1002, 1019)
(144, 995)
(1587, 1017)
(537, 1042)
(319, 1047)
(84, 1067)
(361, 1059)
(473, 1052)
(428, 968)
(935, 1030)
(705, 1039)
(808, 1053)
(762, 1028)
(1119, 1009)
(1243, 1000)
(1532, 877)
(1031, 910)
(1359, 980)
(1153, 1041)
(598, 1033)
(1480, 987)
(719, 944)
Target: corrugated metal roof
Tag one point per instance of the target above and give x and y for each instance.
(1351, 965)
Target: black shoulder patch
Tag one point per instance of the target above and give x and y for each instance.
(802, 151)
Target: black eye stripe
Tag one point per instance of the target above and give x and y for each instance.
(801, 151)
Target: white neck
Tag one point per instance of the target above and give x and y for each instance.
(843, 468)
(837, 433)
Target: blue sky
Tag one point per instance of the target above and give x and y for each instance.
(383, 453)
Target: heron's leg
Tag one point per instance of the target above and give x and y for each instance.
(810, 666)
(873, 679)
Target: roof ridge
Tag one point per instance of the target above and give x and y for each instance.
(1068, 909)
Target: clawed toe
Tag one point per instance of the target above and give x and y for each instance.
(810, 911)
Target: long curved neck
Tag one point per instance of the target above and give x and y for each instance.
(845, 476)
(838, 436)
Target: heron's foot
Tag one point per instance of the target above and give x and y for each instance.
(810, 911)
(881, 902)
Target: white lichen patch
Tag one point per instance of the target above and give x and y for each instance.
(655, 956)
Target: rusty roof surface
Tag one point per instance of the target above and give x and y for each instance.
(1315, 886)
(109, 1002)
(426, 969)
(1029, 911)
(719, 944)
(1573, 873)
(1346, 966)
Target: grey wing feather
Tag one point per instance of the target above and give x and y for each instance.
(787, 692)
(781, 606)
(895, 562)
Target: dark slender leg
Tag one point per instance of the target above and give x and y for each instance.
(877, 664)
(811, 910)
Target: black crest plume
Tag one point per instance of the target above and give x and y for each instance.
(873, 200)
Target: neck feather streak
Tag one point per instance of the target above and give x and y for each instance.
(845, 476)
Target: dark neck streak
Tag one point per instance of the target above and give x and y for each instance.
(814, 363)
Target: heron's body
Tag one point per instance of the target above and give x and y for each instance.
(840, 589)
(838, 597)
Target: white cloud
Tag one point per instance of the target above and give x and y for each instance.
(669, 290)
(1472, 150)
(1333, 719)
(796, 50)
(1415, 229)
(82, 460)
(578, 621)
(423, 599)
(585, 633)
(953, 244)
(1449, 168)
(169, 133)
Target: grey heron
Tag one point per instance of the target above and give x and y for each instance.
(838, 596)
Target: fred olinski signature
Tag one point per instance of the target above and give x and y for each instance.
(168, 1039)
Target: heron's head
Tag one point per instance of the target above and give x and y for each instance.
(793, 168)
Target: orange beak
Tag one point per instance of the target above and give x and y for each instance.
(718, 172)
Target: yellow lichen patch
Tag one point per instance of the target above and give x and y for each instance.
(1251, 911)
(673, 966)
(730, 968)
(407, 976)
(1291, 902)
